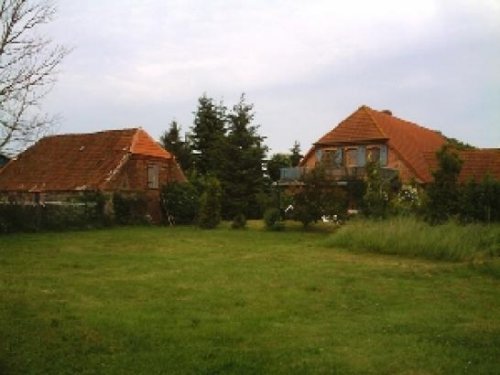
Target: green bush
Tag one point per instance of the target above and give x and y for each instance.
(239, 222)
(86, 213)
(210, 205)
(179, 202)
(480, 201)
(272, 219)
(130, 209)
(318, 197)
(20, 218)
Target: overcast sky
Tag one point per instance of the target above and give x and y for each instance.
(305, 64)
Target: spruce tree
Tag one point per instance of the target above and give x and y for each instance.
(242, 178)
(172, 142)
(208, 137)
(295, 156)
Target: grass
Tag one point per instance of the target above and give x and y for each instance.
(412, 237)
(187, 301)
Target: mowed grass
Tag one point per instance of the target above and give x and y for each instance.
(147, 300)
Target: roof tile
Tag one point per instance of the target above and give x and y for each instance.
(76, 161)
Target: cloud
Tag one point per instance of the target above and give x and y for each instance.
(302, 63)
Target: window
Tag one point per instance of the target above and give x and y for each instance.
(333, 158)
(373, 154)
(351, 157)
(153, 176)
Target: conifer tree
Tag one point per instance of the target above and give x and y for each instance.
(242, 177)
(208, 137)
(172, 142)
(295, 156)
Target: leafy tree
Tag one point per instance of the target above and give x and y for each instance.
(210, 205)
(296, 155)
(275, 164)
(376, 198)
(208, 137)
(28, 65)
(171, 141)
(317, 197)
(443, 193)
(242, 178)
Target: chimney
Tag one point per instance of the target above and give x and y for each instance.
(387, 112)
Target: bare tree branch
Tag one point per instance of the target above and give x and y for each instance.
(28, 67)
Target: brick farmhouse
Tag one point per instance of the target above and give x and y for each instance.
(63, 167)
(401, 147)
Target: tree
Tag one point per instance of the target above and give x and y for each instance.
(171, 141)
(275, 164)
(242, 177)
(443, 193)
(318, 197)
(295, 156)
(208, 136)
(28, 64)
(376, 199)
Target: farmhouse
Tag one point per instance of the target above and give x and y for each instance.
(401, 148)
(62, 167)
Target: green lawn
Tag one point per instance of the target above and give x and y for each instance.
(183, 300)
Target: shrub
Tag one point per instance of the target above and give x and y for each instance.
(130, 209)
(443, 192)
(210, 205)
(86, 212)
(480, 202)
(272, 219)
(179, 202)
(318, 197)
(239, 222)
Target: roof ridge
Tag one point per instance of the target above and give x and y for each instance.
(401, 155)
(369, 111)
(135, 137)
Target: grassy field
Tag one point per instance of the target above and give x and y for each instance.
(408, 236)
(181, 300)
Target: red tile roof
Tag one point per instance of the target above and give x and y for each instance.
(76, 161)
(476, 164)
(410, 141)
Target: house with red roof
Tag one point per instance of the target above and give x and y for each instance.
(60, 167)
(400, 147)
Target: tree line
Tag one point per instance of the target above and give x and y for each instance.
(225, 159)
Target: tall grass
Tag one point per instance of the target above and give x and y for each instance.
(411, 237)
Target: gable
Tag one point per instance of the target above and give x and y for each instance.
(358, 127)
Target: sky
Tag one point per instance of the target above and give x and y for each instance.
(305, 64)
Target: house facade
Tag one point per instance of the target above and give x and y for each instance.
(63, 167)
(399, 146)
